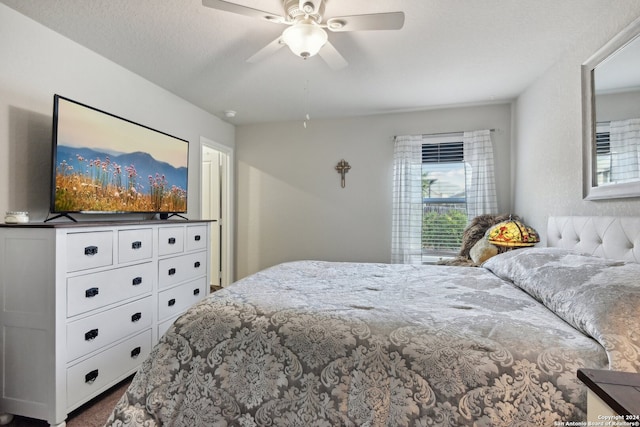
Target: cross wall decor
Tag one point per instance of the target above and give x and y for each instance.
(343, 167)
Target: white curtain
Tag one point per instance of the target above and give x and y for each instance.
(624, 143)
(406, 218)
(480, 180)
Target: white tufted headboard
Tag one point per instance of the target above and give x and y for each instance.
(604, 236)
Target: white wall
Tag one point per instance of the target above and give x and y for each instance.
(618, 106)
(36, 63)
(290, 205)
(548, 142)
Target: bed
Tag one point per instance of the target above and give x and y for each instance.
(312, 343)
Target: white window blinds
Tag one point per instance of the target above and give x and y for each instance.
(444, 208)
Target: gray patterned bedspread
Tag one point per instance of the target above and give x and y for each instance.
(314, 343)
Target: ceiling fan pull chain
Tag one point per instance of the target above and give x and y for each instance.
(306, 104)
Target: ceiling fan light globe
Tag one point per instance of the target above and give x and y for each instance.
(304, 39)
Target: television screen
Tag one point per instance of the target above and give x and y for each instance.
(103, 163)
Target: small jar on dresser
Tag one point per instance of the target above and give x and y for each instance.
(84, 303)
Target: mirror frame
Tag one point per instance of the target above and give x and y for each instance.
(591, 191)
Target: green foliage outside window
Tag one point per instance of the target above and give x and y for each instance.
(443, 230)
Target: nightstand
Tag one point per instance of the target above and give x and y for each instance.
(612, 393)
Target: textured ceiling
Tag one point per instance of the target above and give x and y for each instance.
(448, 52)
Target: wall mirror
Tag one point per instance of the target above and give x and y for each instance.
(611, 118)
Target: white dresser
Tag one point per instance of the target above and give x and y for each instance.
(83, 304)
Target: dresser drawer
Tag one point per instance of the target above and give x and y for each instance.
(89, 376)
(89, 250)
(196, 237)
(170, 240)
(135, 245)
(172, 271)
(91, 291)
(165, 325)
(174, 301)
(95, 332)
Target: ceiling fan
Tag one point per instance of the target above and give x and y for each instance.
(306, 35)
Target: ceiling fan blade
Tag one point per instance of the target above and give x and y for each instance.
(243, 10)
(375, 21)
(269, 49)
(332, 57)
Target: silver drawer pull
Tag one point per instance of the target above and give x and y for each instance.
(91, 250)
(136, 245)
(91, 376)
(91, 292)
(91, 335)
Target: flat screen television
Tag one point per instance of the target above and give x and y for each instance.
(103, 163)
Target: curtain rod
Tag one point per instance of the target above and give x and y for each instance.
(445, 133)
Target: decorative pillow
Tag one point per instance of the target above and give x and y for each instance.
(597, 296)
(512, 233)
(482, 251)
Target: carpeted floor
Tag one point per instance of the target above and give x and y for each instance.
(92, 414)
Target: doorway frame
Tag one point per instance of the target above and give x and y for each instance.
(227, 247)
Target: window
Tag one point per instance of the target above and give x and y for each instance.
(444, 207)
(439, 182)
(603, 154)
(617, 152)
